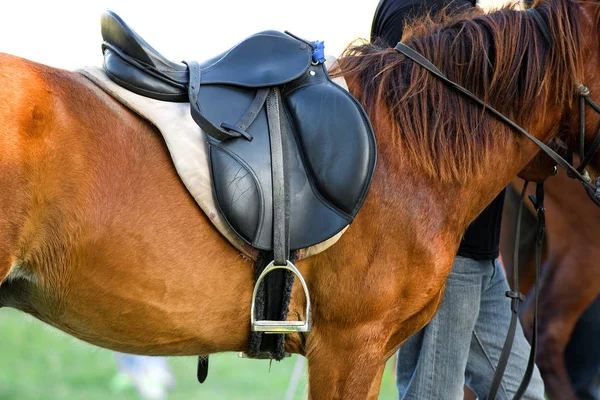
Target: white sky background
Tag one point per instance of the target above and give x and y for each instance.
(66, 33)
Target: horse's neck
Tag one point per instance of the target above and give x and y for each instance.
(443, 211)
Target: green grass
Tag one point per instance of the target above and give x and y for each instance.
(41, 363)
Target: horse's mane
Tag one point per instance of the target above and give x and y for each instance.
(502, 57)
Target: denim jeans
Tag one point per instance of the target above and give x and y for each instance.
(462, 343)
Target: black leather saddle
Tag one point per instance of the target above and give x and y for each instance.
(292, 154)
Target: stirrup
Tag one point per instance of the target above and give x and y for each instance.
(280, 326)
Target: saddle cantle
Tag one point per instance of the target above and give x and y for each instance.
(327, 143)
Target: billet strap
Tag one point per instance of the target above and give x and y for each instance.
(202, 372)
(280, 179)
(516, 298)
(423, 62)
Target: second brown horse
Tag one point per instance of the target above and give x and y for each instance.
(570, 276)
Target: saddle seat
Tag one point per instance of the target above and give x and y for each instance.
(266, 59)
(268, 82)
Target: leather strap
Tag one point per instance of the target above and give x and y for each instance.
(587, 157)
(280, 179)
(249, 115)
(538, 202)
(194, 93)
(202, 371)
(581, 132)
(516, 298)
(278, 285)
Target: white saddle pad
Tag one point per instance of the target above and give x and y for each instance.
(189, 151)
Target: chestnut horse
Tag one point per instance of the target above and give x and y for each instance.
(570, 279)
(99, 238)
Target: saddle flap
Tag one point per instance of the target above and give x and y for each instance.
(335, 139)
(331, 157)
(265, 59)
(328, 146)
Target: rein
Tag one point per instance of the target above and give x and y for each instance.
(517, 297)
(579, 173)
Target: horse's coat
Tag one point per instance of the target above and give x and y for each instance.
(92, 208)
(570, 279)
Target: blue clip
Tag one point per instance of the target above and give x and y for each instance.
(318, 54)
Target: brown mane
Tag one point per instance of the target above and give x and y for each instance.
(502, 57)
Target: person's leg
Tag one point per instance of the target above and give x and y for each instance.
(488, 339)
(431, 363)
(582, 355)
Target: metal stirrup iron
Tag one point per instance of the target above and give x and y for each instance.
(281, 215)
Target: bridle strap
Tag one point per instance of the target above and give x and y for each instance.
(587, 157)
(423, 62)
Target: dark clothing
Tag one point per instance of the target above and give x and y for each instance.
(482, 237)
